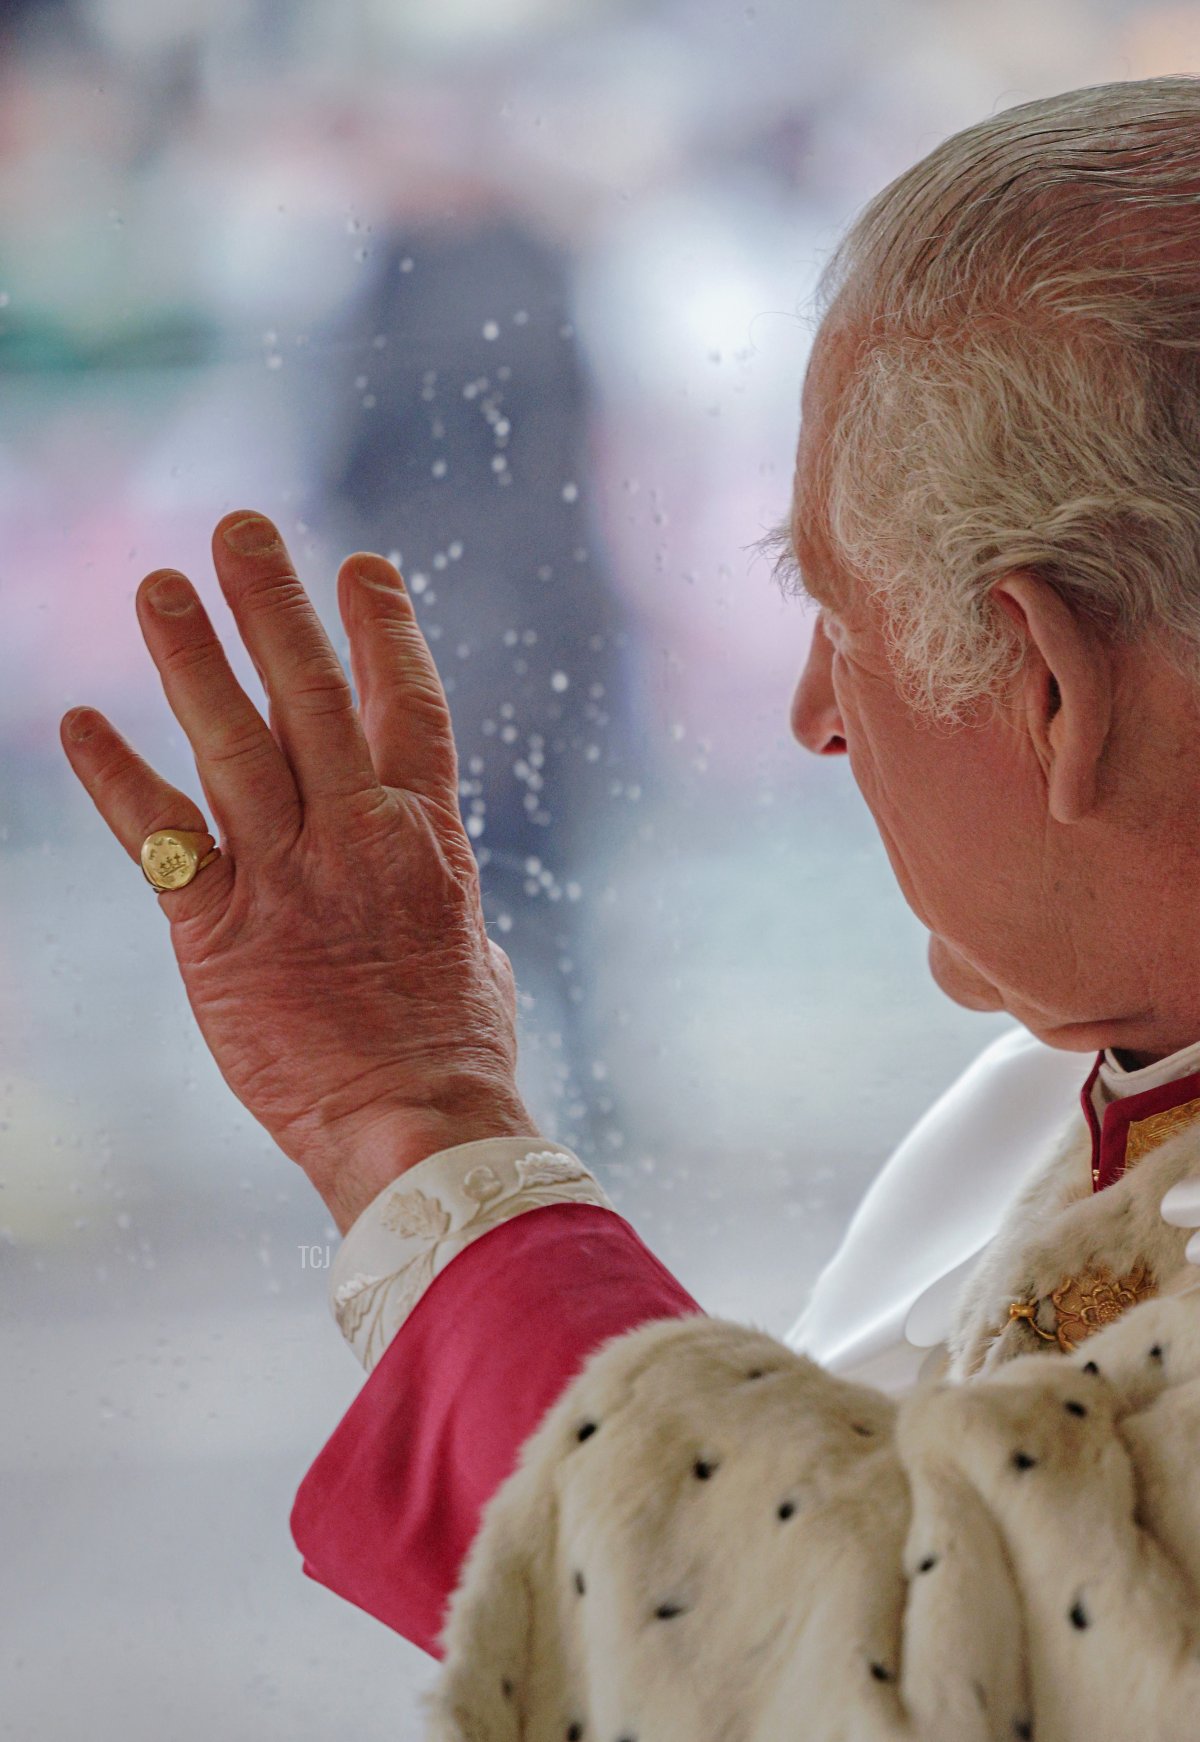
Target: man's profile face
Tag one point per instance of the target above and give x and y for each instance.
(961, 810)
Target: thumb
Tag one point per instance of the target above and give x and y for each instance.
(403, 707)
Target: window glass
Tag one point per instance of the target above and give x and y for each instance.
(513, 291)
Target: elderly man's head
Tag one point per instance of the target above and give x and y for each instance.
(997, 507)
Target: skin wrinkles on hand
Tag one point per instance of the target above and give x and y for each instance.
(335, 956)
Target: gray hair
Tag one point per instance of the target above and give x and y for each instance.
(1025, 386)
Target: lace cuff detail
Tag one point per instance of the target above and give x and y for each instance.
(422, 1220)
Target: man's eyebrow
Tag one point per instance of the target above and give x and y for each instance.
(786, 570)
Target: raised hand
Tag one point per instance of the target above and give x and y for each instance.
(335, 955)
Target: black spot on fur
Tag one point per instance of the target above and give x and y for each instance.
(1074, 1408)
(786, 1509)
(579, 1584)
(881, 1673)
(574, 1733)
(702, 1470)
(755, 1373)
(668, 1611)
(1079, 1616)
(1156, 1353)
(1022, 1461)
(866, 1432)
(586, 1431)
(1023, 1730)
(928, 1564)
(1090, 1367)
(506, 1688)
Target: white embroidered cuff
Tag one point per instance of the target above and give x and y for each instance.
(422, 1220)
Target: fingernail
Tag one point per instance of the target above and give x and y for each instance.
(381, 580)
(172, 596)
(252, 536)
(80, 726)
(1181, 1205)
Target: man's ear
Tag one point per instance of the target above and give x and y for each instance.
(1064, 691)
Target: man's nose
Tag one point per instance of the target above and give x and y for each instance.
(816, 721)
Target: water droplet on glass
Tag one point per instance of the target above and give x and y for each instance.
(570, 492)
(491, 330)
(559, 681)
(439, 468)
(406, 264)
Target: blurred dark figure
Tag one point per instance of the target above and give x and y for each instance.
(465, 438)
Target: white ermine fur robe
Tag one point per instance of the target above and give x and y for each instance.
(711, 1539)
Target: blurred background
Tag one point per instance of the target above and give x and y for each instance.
(514, 291)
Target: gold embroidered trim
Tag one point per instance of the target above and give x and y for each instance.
(1146, 1134)
(1083, 1305)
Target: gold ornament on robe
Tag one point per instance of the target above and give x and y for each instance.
(1084, 1304)
(1147, 1134)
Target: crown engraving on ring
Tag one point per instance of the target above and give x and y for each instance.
(168, 861)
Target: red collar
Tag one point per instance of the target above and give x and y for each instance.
(1136, 1123)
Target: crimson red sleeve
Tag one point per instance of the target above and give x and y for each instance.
(387, 1512)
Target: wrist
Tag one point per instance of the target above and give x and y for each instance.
(380, 1150)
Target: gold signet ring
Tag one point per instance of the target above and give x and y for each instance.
(172, 857)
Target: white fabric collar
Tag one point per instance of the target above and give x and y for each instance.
(887, 1296)
(935, 1205)
(1114, 1082)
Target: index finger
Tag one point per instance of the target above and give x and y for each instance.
(313, 710)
